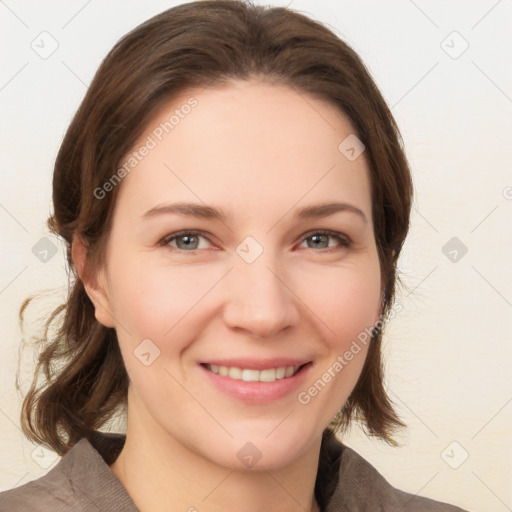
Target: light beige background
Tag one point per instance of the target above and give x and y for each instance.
(449, 351)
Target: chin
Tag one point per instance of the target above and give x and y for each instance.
(260, 451)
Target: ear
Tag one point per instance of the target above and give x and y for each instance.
(94, 285)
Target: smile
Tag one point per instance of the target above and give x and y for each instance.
(250, 375)
(255, 386)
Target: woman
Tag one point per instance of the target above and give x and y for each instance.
(234, 197)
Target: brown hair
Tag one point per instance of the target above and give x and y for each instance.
(195, 44)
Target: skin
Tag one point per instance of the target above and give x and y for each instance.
(259, 152)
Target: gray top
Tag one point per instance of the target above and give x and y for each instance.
(83, 481)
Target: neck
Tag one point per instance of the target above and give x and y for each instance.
(160, 474)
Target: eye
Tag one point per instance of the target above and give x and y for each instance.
(185, 240)
(321, 236)
(189, 241)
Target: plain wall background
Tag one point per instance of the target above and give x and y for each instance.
(448, 352)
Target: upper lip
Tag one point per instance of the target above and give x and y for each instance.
(257, 364)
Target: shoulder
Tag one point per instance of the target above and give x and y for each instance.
(52, 491)
(361, 487)
(81, 481)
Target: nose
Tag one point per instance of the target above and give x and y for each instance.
(260, 299)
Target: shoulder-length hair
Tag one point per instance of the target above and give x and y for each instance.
(84, 381)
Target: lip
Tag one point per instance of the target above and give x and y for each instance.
(257, 393)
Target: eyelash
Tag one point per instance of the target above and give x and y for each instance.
(344, 240)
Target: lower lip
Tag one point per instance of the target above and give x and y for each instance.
(257, 392)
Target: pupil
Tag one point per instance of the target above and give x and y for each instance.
(316, 237)
(188, 240)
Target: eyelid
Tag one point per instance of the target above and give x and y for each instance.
(345, 241)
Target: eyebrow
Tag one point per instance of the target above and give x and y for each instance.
(210, 212)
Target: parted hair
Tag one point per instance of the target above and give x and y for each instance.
(80, 380)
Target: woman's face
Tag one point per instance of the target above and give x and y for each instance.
(255, 286)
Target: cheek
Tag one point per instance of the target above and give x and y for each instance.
(345, 302)
(154, 309)
(158, 303)
(151, 301)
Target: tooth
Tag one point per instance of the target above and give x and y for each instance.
(268, 375)
(250, 375)
(235, 373)
(280, 372)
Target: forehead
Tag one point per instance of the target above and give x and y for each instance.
(251, 142)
